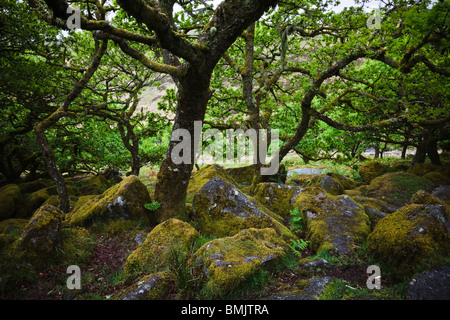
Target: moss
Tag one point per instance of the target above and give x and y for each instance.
(83, 200)
(152, 287)
(223, 210)
(229, 262)
(334, 223)
(96, 185)
(75, 246)
(243, 175)
(41, 235)
(33, 186)
(9, 197)
(201, 177)
(10, 231)
(155, 252)
(420, 169)
(124, 200)
(396, 188)
(278, 198)
(408, 239)
(327, 183)
(302, 284)
(423, 197)
(372, 169)
(437, 178)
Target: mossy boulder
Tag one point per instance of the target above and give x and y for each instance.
(420, 169)
(328, 184)
(152, 287)
(10, 230)
(223, 210)
(156, 252)
(376, 209)
(423, 197)
(41, 235)
(125, 200)
(243, 175)
(9, 200)
(35, 185)
(229, 262)
(278, 198)
(409, 239)
(205, 174)
(372, 169)
(37, 199)
(333, 223)
(437, 177)
(396, 188)
(96, 185)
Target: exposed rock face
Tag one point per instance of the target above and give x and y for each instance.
(223, 210)
(430, 285)
(229, 262)
(278, 198)
(334, 223)
(151, 287)
(405, 240)
(125, 200)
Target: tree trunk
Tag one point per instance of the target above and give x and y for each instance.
(421, 151)
(377, 151)
(173, 179)
(53, 171)
(432, 151)
(404, 149)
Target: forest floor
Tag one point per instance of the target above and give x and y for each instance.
(102, 276)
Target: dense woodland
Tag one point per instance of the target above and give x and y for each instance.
(74, 123)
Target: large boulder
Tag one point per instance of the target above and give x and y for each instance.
(333, 223)
(96, 185)
(221, 210)
(204, 175)
(156, 253)
(396, 188)
(430, 285)
(376, 209)
(372, 169)
(406, 240)
(125, 200)
(421, 169)
(328, 184)
(9, 198)
(278, 198)
(152, 287)
(229, 262)
(41, 236)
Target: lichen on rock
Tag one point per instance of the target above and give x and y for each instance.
(125, 200)
(229, 262)
(372, 169)
(155, 253)
(41, 235)
(333, 223)
(278, 198)
(223, 210)
(406, 240)
(151, 287)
